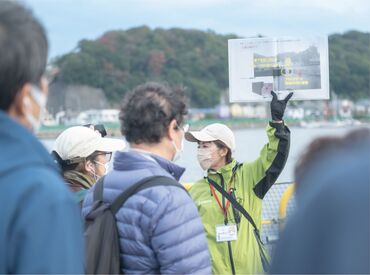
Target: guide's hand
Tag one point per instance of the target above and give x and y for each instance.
(278, 106)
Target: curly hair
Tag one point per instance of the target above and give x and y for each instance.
(147, 111)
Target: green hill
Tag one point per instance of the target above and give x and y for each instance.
(349, 60)
(120, 60)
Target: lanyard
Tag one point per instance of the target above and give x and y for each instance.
(224, 210)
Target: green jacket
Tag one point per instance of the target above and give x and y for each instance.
(251, 182)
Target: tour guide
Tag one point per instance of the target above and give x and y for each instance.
(229, 198)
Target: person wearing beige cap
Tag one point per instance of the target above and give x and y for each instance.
(229, 198)
(84, 155)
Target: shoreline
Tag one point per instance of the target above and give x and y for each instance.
(113, 129)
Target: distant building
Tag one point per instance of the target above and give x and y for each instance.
(100, 116)
(75, 98)
(202, 113)
(87, 117)
(248, 110)
(362, 108)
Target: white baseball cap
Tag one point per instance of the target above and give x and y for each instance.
(212, 132)
(81, 142)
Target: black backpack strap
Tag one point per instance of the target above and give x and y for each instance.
(234, 203)
(140, 185)
(236, 167)
(241, 209)
(98, 191)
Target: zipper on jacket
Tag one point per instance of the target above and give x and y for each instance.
(225, 222)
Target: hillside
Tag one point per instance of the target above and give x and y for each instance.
(120, 60)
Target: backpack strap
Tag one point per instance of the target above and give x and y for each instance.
(98, 191)
(140, 185)
(234, 203)
(236, 167)
(241, 209)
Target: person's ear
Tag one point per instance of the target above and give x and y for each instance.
(172, 130)
(223, 151)
(89, 166)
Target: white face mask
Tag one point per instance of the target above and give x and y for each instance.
(205, 157)
(179, 151)
(40, 99)
(93, 170)
(106, 166)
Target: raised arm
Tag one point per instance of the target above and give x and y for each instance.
(266, 169)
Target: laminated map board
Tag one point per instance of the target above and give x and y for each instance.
(259, 65)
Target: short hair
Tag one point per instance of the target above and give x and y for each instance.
(23, 48)
(147, 111)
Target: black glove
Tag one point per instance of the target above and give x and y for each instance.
(278, 106)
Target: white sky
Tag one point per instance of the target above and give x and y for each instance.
(68, 21)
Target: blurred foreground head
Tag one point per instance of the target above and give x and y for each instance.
(323, 147)
(24, 49)
(329, 231)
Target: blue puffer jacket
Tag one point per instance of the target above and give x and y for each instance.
(40, 223)
(160, 229)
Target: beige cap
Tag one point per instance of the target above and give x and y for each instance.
(81, 142)
(212, 132)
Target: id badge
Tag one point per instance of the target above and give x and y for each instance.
(226, 233)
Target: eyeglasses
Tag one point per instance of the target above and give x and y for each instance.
(184, 127)
(107, 155)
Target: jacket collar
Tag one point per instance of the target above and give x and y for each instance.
(226, 172)
(134, 159)
(20, 146)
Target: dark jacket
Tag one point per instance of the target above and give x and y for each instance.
(160, 229)
(329, 233)
(40, 225)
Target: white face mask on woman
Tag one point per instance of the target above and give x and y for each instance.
(205, 157)
(106, 166)
(92, 169)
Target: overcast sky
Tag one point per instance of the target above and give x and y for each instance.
(68, 21)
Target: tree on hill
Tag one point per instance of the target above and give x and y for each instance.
(119, 60)
(349, 61)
